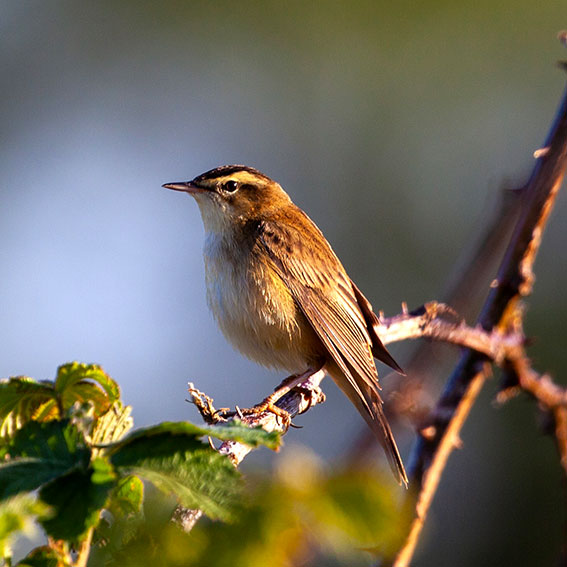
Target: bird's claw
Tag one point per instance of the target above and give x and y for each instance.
(267, 406)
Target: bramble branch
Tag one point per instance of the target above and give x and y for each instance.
(501, 313)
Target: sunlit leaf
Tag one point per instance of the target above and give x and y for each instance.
(127, 496)
(113, 425)
(23, 399)
(20, 399)
(236, 431)
(76, 381)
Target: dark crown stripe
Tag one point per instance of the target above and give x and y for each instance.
(224, 170)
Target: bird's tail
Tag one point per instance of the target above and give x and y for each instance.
(371, 409)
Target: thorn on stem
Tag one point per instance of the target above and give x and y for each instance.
(428, 433)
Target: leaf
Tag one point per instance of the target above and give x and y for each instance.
(113, 425)
(77, 499)
(76, 381)
(23, 399)
(233, 431)
(180, 464)
(57, 440)
(26, 475)
(20, 399)
(40, 452)
(237, 431)
(127, 497)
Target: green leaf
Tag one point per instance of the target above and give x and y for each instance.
(179, 463)
(20, 399)
(23, 399)
(58, 440)
(127, 497)
(39, 453)
(77, 499)
(113, 425)
(233, 431)
(26, 475)
(86, 382)
(237, 431)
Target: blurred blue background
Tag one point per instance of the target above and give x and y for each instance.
(393, 125)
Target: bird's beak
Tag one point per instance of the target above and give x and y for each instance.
(187, 186)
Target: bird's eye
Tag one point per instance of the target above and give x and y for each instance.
(230, 186)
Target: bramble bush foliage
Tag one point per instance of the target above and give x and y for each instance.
(104, 494)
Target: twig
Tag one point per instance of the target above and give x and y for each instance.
(450, 440)
(550, 396)
(427, 321)
(298, 401)
(84, 550)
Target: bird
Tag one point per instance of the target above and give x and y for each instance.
(281, 296)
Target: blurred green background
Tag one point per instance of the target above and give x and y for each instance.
(393, 124)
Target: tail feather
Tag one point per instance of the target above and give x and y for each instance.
(370, 408)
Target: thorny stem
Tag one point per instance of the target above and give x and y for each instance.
(514, 281)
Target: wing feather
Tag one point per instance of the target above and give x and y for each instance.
(326, 296)
(332, 305)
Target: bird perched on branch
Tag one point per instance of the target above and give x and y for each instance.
(282, 297)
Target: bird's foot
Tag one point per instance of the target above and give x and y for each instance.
(268, 405)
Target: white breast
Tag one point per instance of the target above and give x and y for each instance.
(246, 307)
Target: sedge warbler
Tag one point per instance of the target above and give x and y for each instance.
(282, 297)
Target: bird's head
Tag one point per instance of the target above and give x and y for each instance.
(231, 195)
